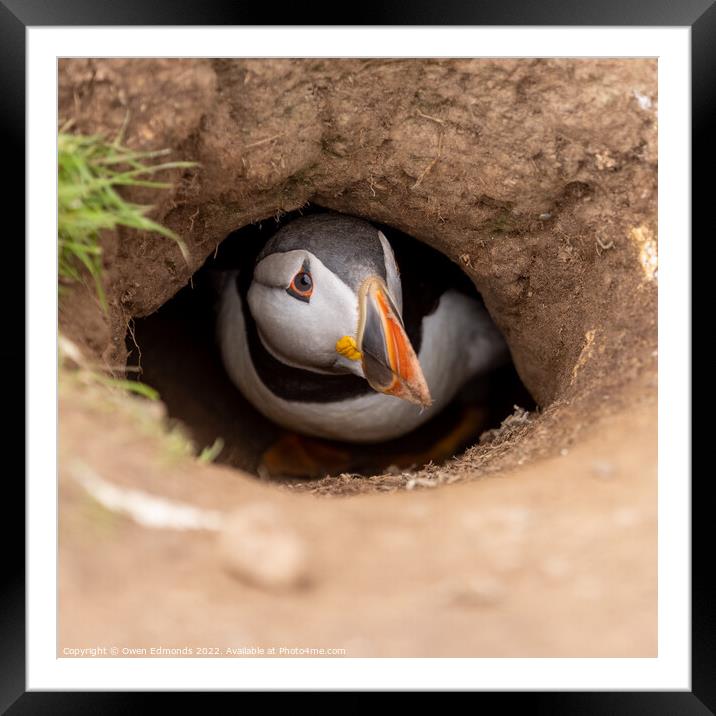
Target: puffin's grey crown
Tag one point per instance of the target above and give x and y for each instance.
(349, 247)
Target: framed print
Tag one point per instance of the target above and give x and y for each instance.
(358, 363)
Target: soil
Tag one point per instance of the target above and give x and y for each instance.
(536, 177)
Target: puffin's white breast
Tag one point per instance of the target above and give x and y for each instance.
(459, 341)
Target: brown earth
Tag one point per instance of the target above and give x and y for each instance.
(539, 178)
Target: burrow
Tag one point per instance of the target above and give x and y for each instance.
(544, 197)
(175, 351)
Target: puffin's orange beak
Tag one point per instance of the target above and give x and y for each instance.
(389, 361)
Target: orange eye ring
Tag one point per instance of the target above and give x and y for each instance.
(301, 286)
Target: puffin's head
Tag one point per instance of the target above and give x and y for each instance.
(326, 297)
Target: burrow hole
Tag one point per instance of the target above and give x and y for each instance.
(175, 350)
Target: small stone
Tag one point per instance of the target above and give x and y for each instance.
(516, 519)
(257, 547)
(643, 99)
(419, 511)
(605, 161)
(154, 409)
(625, 517)
(69, 352)
(603, 469)
(482, 591)
(555, 567)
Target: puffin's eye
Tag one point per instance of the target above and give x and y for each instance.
(301, 286)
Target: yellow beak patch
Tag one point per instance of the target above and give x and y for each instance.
(347, 347)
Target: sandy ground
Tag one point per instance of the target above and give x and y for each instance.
(552, 558)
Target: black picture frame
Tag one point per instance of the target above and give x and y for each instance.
(17, 15)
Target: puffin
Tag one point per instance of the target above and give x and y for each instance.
(327, 337)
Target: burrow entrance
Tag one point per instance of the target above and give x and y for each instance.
(175, 351)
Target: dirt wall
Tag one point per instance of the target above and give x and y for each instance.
(538, 176)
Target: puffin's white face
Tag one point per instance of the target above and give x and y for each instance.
(302, 309)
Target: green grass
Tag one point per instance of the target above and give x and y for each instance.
(133, 386)
(210, 453)
(90, 171)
